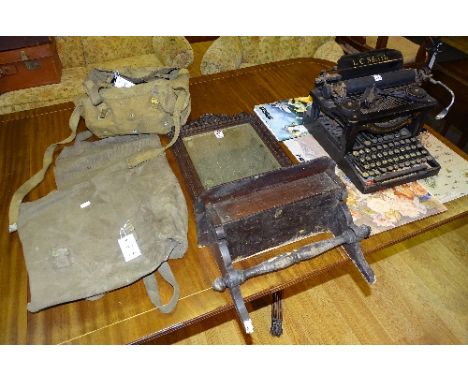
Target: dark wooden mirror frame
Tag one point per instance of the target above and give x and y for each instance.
(211, 122)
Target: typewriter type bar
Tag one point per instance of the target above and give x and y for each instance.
(368, 116)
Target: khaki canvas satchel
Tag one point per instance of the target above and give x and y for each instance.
(106, 226)
(147, 100)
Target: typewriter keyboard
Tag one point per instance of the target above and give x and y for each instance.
(389, 157)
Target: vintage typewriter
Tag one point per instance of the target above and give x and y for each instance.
(368, 115)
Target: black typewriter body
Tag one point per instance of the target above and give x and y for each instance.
(368, 115)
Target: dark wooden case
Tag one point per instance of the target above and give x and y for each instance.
(29, 66)
(245, 216)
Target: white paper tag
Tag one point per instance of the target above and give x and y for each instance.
(85, 204)
(122, 83)
(129, 247)
(377, 77)
(219, 134)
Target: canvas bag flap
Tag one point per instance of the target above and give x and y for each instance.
(71, 237)
(158, 97)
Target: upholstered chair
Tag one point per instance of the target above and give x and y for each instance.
(81, 54)
(232, 52)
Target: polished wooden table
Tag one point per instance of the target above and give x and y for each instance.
(126, 315)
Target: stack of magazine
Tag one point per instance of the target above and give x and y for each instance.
(284, 118)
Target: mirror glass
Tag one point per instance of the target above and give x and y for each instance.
(228, 154)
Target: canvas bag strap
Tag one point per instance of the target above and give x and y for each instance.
(37, 178)
(149, 154)
(152, 288)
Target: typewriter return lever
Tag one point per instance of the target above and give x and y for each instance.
(435, 50)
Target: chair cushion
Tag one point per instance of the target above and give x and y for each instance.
(260, 50)
(70, 51)
(330, 51)
(149, 60)
(173, 51)
(102, 49)
(67, 90)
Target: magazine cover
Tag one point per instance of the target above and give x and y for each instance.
(382, 210)
(284, 118)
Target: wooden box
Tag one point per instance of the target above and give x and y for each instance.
(29, 66)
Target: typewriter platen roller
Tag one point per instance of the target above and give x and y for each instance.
(368, 115)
